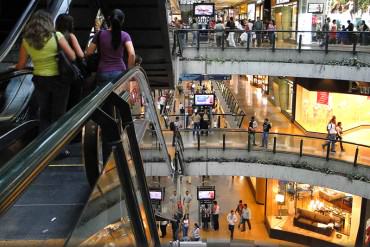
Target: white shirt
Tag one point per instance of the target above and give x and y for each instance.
(246, 213)
(162, 100)
(216, 209)
(332, 129)
(231, 219)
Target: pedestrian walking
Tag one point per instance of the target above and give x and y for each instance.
(252, 127)
(196, 233)
(187, 201)
(332, 134)
(246, 216)
(162, 103)
(339, 138)
(215, 214)
(231, 220)
(173, 202)
(163, 227)
(175, 126)
(175, 228)
(265, 135)
(196, 122)
(185, 227)
(239, 210)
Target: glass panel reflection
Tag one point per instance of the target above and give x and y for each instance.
(105, 220)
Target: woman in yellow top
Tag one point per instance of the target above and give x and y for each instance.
(40, 44)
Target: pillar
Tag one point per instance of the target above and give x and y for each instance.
(260, 190)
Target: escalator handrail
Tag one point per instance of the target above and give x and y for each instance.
(9, 74)
(9, 42)
(11, 136)
(20, 171)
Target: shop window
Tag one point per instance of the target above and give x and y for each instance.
(313, 211)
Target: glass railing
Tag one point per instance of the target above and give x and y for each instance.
(354, 154)
(117, 132)
(351, 41)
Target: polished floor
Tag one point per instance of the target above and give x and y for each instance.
(229, 190)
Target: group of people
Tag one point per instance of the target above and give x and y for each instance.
(252, 128)
(335, 132)
(241, 217)
(180, 210)
(336, 34)
(245, 216)
(41, 42)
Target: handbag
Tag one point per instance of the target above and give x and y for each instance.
(92, 61)
(68, 70)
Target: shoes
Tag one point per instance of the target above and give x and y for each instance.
(333, 151)
(342, 150)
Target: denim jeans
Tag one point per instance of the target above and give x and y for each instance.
(52, 97)
(195, 38)
(265, 137)
(252, 137)
(102, 78)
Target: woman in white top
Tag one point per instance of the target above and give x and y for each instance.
(196, 232)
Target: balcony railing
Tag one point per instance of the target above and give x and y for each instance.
(350, 41)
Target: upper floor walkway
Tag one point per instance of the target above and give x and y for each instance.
(282, 53)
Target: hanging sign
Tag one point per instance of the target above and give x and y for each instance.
(322, 98)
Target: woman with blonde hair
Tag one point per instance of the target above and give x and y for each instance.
(40, 43)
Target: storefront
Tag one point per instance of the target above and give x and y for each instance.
(305, 211)
(242, 12)
(261, 81)
(312, 14)
(315, 108)
(285, 13)
(259, 9)
(281, 91)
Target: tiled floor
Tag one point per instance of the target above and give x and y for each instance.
(229, 190)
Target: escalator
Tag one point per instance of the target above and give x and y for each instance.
(54, 197)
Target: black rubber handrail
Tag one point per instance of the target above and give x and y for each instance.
(9, 74)
(9, 42)
(19, 172)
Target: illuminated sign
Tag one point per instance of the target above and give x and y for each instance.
(322, 98)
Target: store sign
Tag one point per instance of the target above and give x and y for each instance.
(316, 8)
(357, 87)
(282, 1)
(243, 9)
(322, 98)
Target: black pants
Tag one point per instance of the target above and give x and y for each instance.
(163, 230)
(339, 139)
(249, 224)
(231, 229)
(215, 222)
(52, 97)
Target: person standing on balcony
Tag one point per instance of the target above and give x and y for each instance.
(252, 130)
(265, 134)
(196, 122)
(219, 29)
(231, 27)
(271, 27)
(325, 30)
(258, 27)
(194, 25)
(187, 202)
(333, 32)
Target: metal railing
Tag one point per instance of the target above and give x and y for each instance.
(351, 41)
(226, 139)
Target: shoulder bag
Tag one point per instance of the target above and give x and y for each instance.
(68, 70)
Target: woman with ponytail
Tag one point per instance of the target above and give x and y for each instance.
(113, 45)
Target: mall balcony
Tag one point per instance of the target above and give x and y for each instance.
(274, 53)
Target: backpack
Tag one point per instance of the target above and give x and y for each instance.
(172, 126)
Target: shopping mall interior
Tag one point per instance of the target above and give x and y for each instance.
(238, 123)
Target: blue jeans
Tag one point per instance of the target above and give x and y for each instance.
(102, 78)
(265, 138)
(196, 128)
(185, 231)
(331, 140)
(195, 38)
